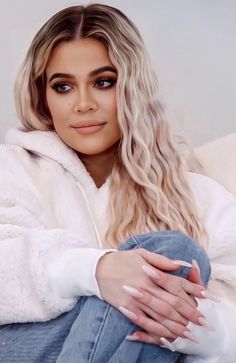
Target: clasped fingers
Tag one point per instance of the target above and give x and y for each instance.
(156, 305)
(166, 305)
(163, 328)
(139, 318)
(177, 285)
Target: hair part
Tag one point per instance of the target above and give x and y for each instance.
(149, 169)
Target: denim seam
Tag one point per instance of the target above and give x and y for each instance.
(100, 331)
(140, 245)
(136, 241)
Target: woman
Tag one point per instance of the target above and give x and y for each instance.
(101, 257)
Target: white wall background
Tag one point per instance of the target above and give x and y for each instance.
(192, 44)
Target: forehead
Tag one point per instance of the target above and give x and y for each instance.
(82, 54)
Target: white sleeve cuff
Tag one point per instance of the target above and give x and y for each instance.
(211, 343)
(73, 273)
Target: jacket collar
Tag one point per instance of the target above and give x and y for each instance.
(48, 145)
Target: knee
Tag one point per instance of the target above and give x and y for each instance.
(179, 246)
(174, 245)
(192, 250)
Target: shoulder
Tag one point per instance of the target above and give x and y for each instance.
(15, 159)
(12, 159)
(207, 191)
(216, 205)
(217, 209)
(16, 181)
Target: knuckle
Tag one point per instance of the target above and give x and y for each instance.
(165, 278)
(167, 310)
(185, 285)
(153, 339)
(153, 327)
(191, 288)
(147, 299)
(177, 303)
(162, 331)
(178, 290)
(142, 322)
(175, 329)
(141, 251)
(179, 331)
(195, 315)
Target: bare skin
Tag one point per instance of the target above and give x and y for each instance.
(100, 166)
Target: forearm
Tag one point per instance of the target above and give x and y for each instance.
(28, 291)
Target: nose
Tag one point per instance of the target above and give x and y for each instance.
(85, 101)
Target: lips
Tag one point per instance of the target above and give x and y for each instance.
(88, 127)
(88, 123)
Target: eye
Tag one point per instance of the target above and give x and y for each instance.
(105, 83)
(61, 87)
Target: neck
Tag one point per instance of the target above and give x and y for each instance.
(100, 165)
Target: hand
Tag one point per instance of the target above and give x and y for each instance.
(193, 276)
(163, 307)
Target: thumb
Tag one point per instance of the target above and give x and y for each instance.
(195, 274)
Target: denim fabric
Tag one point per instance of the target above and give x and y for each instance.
(94, 331)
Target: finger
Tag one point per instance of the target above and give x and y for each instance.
(148, 338)
(170, 298)
(176, 328)
(190, 313)
(158, 261)
(153, 327)
(186, 312)
(195, 274)
(144, 337)
(138, 317)
(173, 284)
(160, 307)
(152, 339)
(192, 288)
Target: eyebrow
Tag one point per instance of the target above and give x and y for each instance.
(91, 74)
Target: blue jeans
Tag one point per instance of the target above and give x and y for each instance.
(93, 331)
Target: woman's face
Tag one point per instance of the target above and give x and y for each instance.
(81, 88)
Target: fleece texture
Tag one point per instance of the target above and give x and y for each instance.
(53, 220)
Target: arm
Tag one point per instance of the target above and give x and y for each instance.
(33, 253)
(218, 209)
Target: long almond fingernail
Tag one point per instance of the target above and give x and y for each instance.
(151, 272)
(206, 324)
(166, 344)
(182, 263)
(208, 295)
(129, 314)
(131, 337)
(196, 266)
(190, 336)
(132, 291)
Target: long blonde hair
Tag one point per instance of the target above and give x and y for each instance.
(148, 190)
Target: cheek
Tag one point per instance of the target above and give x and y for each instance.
(109, 105)
(58, 107)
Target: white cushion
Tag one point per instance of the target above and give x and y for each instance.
(218, 159)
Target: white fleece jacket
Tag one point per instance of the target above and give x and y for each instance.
(52, 222)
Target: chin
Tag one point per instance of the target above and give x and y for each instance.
(90, 151)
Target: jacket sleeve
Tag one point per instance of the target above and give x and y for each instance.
(31, 253)
(217, 207)
(211, 344)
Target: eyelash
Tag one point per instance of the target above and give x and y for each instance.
(57, 85)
